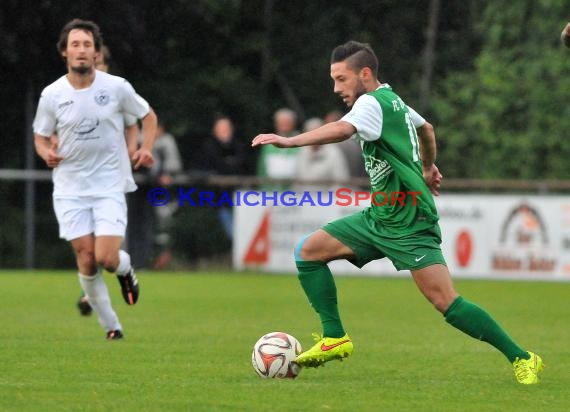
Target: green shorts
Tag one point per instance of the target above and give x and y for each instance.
(361, 233)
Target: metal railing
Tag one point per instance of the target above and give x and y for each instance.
(200, 177)
(190, 178)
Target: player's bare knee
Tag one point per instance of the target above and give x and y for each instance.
(442, 301)
(85, 258)
(305, 253)
(108, 261)
(439, 305)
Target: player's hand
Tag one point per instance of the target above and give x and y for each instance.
(53, 159)
(433, 179)
(143, 157)
(275, 140)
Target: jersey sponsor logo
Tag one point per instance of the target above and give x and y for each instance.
(102, 97)
(64, 104)
(86, 126)
(377, 169)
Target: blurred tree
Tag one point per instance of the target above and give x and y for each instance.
(428, 54)
(509, 117)
(191, 59)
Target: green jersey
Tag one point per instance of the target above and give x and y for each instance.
(386, 128)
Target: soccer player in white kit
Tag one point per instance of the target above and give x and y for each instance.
(91, 166)
(131, 136)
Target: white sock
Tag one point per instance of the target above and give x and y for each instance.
(99, 299)
(124, 263)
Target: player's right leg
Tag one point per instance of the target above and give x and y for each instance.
(110, 216)
(109, 255)
(83, 305)
(92, 282)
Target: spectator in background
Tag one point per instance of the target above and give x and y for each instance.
(168, 163)
(325, 162)
(224, 154)
(333, 116)
(350, 148)
(275, 163)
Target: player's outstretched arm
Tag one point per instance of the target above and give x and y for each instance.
(328, 133)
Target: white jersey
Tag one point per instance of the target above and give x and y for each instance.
(90, 127)
(367, 117)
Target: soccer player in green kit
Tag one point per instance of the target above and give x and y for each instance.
(399, 150)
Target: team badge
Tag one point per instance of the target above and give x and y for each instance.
(102, 97)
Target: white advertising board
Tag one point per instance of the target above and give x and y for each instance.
(484, 236)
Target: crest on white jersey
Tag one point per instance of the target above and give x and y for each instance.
(102, 97)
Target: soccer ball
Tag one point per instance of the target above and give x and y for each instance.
(274, 354)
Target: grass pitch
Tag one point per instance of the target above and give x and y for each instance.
(189, 339)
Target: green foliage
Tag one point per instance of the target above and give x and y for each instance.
(188, 342)
(192, 59)
(509, 117)
(500, 91)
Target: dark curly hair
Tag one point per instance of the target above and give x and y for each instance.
(357, 55)
(79, 24)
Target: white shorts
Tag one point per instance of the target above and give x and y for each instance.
(102, 215)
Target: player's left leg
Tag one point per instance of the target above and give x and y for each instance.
(83, 305)
(110, 217)
(435, 283)
(109, 255)
(93, 284)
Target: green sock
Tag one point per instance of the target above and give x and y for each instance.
(477, 323)
(318, 283)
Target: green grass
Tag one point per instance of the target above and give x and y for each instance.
(188, 344)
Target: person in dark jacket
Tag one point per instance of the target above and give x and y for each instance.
(224, 154)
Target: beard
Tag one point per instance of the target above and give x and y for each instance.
(81, 70)
(358, 91)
